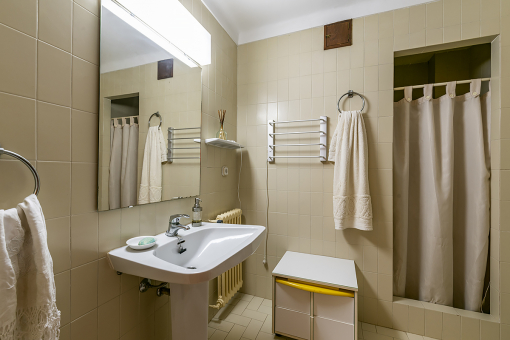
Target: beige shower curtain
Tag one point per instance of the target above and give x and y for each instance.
(441, 196)
(123, 164)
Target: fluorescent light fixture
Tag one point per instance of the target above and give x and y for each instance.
(172, 22)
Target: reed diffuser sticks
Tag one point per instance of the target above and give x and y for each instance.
(221, 133)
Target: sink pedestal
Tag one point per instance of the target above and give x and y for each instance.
(190, 305)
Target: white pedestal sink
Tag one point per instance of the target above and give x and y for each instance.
(210, 251)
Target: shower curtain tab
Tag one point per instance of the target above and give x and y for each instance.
(439, 84)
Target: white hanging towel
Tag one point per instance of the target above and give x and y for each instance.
(154, 154)
(352, 206)
(28, 307)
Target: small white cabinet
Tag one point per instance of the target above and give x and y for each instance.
(315, 298)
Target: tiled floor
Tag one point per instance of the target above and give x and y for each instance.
(247, 317)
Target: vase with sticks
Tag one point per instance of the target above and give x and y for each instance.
(221, 134)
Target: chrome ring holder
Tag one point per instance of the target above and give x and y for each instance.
(351, 94)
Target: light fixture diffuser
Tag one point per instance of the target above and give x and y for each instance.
(173, 22)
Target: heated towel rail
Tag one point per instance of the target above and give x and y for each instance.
(172, 144)
(323, 138)
(230, 281)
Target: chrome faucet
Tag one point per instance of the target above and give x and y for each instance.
(175, 225)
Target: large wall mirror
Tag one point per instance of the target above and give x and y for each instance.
(150, 115)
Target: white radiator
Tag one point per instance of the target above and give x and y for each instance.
(230, 281)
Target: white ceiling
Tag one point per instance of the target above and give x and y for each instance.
(250, 20)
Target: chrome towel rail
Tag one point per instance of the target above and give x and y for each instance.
(172, 145)
(323, 138)
(296, 144)
(295, 133)
(23, 160)
(297, 121)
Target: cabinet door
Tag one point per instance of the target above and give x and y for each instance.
(292, 298)
(292, 323)
(338, 308)
(325, 329)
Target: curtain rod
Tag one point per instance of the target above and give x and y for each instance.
(439, 84)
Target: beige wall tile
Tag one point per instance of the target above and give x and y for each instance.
(470, 30)
(53, 75)
(417, 16)
(401, 21)
(18, 124)
(85, 328)
(53, 132)
(434, 36)
(55, 28)
(20, 15)
(83, 239)
(59, 238)
(84, 195)
(85, 33)
(385, 313)
(109, 320)
(85, 86)
(416, 320)
(84, 134)
(451, 327)
(435, 14)
(433, 324)
(385, 25)
(63, 290)
(17, 63)
(489, 330)
(108, 282)
(417, 39)
(400, 317)
(55, 192)
(452, 11)
(451, 33)
(93, 6)
(470, 328)
(470, 10)
(372, 27)
(128, 310)
(83, 289)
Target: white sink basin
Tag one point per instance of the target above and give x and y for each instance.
(212, 249)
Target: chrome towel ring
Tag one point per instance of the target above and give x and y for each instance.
(350, 94)
(37, 186)
(157, 115)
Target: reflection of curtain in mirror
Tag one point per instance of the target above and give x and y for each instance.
(123, 164)
(441, 196)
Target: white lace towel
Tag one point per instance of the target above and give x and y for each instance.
(28, 307)
(352, 206)
(153, 155)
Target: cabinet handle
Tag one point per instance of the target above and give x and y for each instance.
(315, 289)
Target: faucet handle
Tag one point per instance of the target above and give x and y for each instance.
(175, 219)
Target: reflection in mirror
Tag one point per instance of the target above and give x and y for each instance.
(150, 119)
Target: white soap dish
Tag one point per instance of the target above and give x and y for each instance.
(133, 243)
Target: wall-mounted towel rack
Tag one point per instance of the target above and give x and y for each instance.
(350, 94)
(37, 180)
(323, 138)
(171, 143)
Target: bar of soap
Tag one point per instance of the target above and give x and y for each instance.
(146, 240)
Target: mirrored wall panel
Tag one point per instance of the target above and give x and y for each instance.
(150, 116)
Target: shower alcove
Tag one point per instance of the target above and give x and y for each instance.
(478, 58)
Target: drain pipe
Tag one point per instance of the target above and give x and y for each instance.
(146, 284)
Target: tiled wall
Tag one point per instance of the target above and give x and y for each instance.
(48, 113)
(292, 77)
